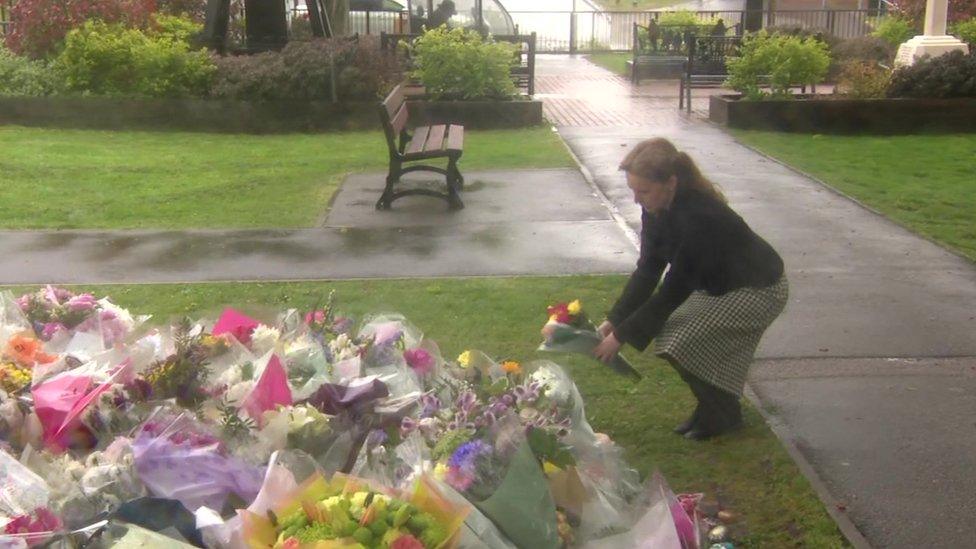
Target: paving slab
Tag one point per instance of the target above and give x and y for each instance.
(556, 224)
(894, 440)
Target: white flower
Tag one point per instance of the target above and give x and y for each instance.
(237, 392)
(343, 348)
(230, 376)
(264, 338)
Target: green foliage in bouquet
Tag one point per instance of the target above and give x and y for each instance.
(182, 374)
(106, 59)
(20, 76)
(460, 64)
(787, 60)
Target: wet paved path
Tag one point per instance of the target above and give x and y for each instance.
(525, 222)
(871, 369)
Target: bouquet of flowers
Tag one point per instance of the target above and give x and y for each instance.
(568, 329)
(348, 511)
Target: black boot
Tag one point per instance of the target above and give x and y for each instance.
(720, 413)
(689, 423)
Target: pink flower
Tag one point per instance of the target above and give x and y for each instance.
(419, 360)
(459, 478)
(291, 543)
(83, 302)
(315, 317)
(44, 522)
(406, 541)
(50, 329)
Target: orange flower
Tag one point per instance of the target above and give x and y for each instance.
(26, 351)
(511, 367)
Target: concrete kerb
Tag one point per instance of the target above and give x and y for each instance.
(614, 212)
(787, 439)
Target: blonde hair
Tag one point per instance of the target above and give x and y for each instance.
(657, 159)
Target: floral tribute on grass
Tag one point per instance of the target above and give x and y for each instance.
(306, 430)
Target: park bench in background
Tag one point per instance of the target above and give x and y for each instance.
(422, 143)
(705, 66)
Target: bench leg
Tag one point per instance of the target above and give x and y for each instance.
(681, 94)
(386, 199)
(455, 182)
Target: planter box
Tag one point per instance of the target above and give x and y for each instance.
(476, 115)
(187, 114)
(660, 68)
(205, 115)
(879, 116)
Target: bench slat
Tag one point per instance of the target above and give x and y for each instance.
(400, 120)
(416, 144)
(435, 138)
(394, 101)
(455, 138)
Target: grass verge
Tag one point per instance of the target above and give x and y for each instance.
(747, 471)
(614, 62)
(925, 182)
(126, 179)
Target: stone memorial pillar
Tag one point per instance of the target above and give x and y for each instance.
(934, 41)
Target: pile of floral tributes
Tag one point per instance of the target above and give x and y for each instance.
(300, 432)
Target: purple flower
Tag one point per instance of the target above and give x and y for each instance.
(430, 405)
(466, 401)
(50, 329)
(375, 438)
(342, 325)
(83, 302)
(461, 466)
(419, 360)
(407, 426)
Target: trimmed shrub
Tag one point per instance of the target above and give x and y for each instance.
(946, 76)
(303, 70)
(787, 60)
(109, 59)
(863, 80)
(894, 30)
(20, 76)
(456, 63)
(175, 27)
(37, 27)
(966, 31)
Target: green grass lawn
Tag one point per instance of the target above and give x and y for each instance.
(748, 472)
(926, 182)
(126, 179)
(614, 62)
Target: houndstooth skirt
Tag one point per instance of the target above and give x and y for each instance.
(715, 337)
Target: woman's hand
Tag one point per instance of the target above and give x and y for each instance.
(605, 329)
(607, 349)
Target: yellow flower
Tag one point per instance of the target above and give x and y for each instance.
(440, 471)
(14, 377)
(574, 307)
(511, 367)
(464, 359)
(550, 468)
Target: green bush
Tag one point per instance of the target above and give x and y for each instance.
(175, 27)
(894, 30)
(870, 49)
(20, 76)
(966, 31)
(949, 75)
(105, 59)
(684, 18)
(457, 63)
(863, 80)
(783, 61)
(303, 70)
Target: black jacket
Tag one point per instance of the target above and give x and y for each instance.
(709, 248)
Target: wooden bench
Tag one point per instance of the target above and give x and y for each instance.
(523, 67)
(422, 143)
(705, 67)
